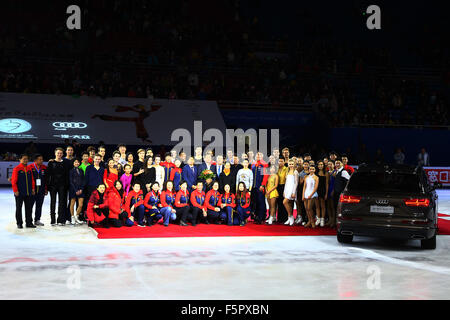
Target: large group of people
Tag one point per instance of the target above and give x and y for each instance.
(144, 188)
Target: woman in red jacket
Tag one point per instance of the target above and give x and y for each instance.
(167, 203)
(228, 204)
(243, 204)
(134, 204)
(175, 175)
(213, 204)
(115, 200)
(97, 208)
(152, 205)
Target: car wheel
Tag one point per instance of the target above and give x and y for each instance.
(429, 243)
(344, 238)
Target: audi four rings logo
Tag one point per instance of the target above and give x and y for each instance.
(69, 125)
(382, 201)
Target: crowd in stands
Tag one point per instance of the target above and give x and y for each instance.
(156, 49)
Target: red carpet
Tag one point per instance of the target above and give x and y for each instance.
(212, 230)
(443, 224)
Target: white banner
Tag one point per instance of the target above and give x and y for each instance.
(52, 118)
(6, 169)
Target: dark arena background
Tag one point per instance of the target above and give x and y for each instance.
(333, 77)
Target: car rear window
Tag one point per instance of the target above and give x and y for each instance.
(384, 181)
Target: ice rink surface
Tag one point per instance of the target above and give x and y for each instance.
(71, 263)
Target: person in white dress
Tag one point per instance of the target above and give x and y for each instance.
(290, 191)
(310, 196)
(159, 171)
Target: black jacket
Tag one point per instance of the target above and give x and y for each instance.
(227, 179)
(147, 177)
(76, 178)
(58, 174)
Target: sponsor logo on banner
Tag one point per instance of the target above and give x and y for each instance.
(438, 174)
(69, 125)
(434, 174)
(75, 136)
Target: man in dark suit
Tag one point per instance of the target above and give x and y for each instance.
(206, 165)
(219, 165)
(182, 157)
(340, 181)
(236, 166)
(189, 174)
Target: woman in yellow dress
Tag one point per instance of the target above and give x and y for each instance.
(272, 193)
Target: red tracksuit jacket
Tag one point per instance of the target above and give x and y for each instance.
(39, 173)
(167, 196)
(133, 195)
(216, 199)
(182, 199)
(95, 200)
(115, 203)
(244, 203)
(229, 200)
(151, 200)
(22, 180)
(195, 196)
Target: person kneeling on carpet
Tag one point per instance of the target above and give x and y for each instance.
(117, 216)
(182, 206)
(227, 206)
(167, 202)
(134, 205)
(213, 203)
(97, 209)
(198, 208)
(152, 205)
(243, 204)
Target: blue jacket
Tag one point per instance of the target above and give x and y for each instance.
(189, 175)
(176, 172)
(93, 176)
(259, 174)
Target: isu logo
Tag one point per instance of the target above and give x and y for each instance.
(382, 202)
(69, 125)
(14, 125)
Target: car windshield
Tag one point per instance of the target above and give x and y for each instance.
(384, 181)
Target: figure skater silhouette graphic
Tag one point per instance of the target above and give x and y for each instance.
(142, 112)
